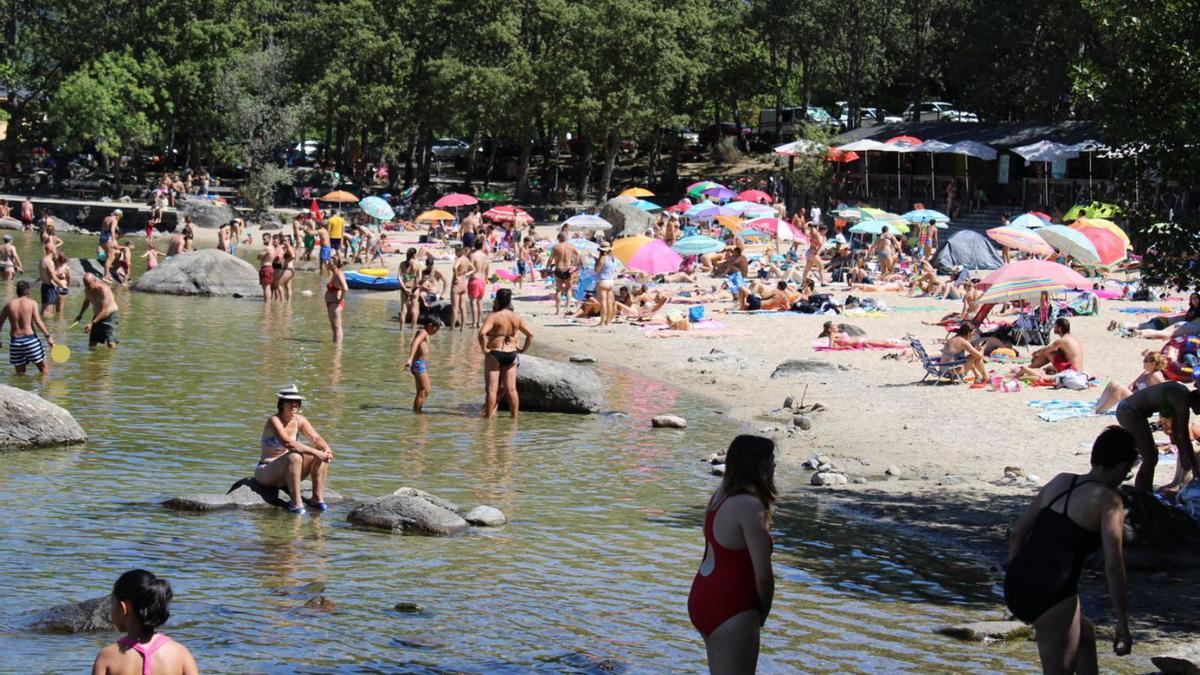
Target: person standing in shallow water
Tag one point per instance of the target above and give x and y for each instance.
(418, 360)
(140, 605)
(23, 317)
(335, 297)
(1072, 517)
(498, 341)
(733, 589)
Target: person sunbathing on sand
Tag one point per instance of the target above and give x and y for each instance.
(760, 297)
(1153, 364)
(885, 287)
(838, 339)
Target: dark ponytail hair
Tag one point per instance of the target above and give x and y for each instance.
(746, 468)
(148, 596)
(503, 300)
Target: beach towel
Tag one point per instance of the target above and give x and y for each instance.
(1140, 310)
(1057, 409)
(822, 345)
(707, 328)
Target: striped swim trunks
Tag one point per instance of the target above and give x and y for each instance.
(25, 350)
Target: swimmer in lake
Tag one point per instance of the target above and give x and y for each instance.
(498, 340)
(285, 461)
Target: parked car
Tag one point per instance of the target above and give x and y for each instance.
(868, 115)
(450, 148)
(689, 136)
(932, 111)
(713, 132)
(790, 121)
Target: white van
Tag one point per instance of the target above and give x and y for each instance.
(792, 118)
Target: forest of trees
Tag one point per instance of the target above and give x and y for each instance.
(232, 80)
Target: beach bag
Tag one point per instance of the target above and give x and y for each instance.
(696, 313)
(1071, 379)
(676, 320)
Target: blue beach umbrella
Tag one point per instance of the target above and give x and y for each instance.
(927, 216)
(647, 206)
(586, 245)
(587, 221)
(696, 210)
(698, 244)
(376, 208)
(876, 227)
(1028, 220)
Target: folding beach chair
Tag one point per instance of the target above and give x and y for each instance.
(940, 370)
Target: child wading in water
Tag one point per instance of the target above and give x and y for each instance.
(418, 359)
(140, 604)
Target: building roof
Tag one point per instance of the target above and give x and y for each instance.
(999, 135)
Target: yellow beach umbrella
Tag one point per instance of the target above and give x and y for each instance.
(1102, 224)
(625, 247)
(637, 192)
(732, 222)
(434, 215)
(339, 196)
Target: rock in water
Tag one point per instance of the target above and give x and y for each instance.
(207, 272)
(668, 422)
(626, 218)
(206, 213)
(1177, 665)
(801, 367)
(409, 511)
(988, 630)
(76, 617)
(550, 386)
(30, 421)
(437, 501)
(320, 603)
(486, 516)
(442, 310)
(79, 266)
(245, 494)
(409, 607)
(827, 478)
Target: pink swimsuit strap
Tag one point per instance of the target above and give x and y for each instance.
(147, 651)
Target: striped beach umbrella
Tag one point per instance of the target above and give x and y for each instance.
(1020, 239)
(698, 244)
(1019, 288)
(1070, 243)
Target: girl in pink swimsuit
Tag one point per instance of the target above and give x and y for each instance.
(140, 604)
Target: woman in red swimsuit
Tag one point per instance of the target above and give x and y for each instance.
(732, 592)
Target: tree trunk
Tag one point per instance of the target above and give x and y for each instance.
(671, 177)
(523, 167)
(410, 158)
(584, 175)
(739, 141)
(612, 149)
(471, 156)
(655, 151)
(425, 158)
(491, 163)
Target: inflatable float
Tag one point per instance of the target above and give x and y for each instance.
(363, 280)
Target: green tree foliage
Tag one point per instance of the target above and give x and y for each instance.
(107, 105)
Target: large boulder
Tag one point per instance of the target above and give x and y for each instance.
(9, 223)
(441, 309)
(207, 272)
(626, 218)
(79, 266)
(206, 213)
(30, 421)
(245, 494)
(550, 386)
(89, 616)
(410, 511)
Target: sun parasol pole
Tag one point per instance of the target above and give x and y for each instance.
(932, 191)
(867, 163)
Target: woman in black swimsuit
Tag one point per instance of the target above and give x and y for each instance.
(498, 341)
(1068, 521)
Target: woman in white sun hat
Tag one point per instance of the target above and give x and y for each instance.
(285, 461)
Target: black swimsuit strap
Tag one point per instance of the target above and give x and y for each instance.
(1067, 493)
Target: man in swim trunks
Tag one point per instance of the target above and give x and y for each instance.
(477, 283)
(762, 298)
(418, 360)
(109, 231)
(470, 228)
(326, 250)
(885, 249)
(102, 329)
(27, 214)
(734, 261)
(10, 262)
(337, 227)
(24, 347)
(498, 341)
(54, 281)
(1065, 353)
(564, 260)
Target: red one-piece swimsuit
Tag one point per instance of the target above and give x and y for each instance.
(728, 590)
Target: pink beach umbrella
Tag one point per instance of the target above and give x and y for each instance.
(507, 214)
(655, 258)
(1038, 269)
(1021, 239)
(754, 196)
(455, 200)
(776, 226)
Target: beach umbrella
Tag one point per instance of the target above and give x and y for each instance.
(695, 210)
(1108, 245)
(1028, 221)
(492, 196)
(729, 222)
(377, 208)
(586, 245)
(719, 193)
(1037, 269)
(1093, 210)
(1021, 239)
(315, 210)
(680, 206)
(801, 146)
(637, 192)
(340, 197)
(644, 205)
(434, 215)
(506, 214)
(1089, 146)
(1070, 242)
(971, 149)
(776, 226)
(1104, 225)
(876, 227)
(713, 211)
(1018, 288)
(927, 216)
(587, 221)
(840, 156)
(698, 244)
(648, 255)
(865, 146)
(455, 200)
(754, 196)
(1045, 151)
(898, 144)
(697, 189)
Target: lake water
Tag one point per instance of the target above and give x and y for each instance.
(591, 575)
